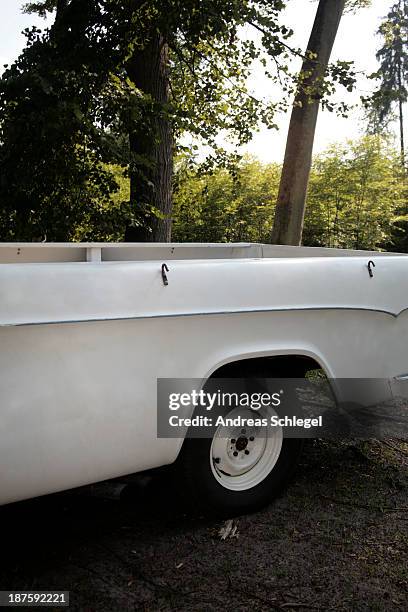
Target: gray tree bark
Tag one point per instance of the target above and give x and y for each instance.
(151, 146)
(290, 207)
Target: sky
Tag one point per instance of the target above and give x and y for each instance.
(356, 40)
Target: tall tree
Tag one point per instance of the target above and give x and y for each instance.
(290, 209)
(191, 68)
(392, 92)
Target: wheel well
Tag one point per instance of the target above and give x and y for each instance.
(276, 366)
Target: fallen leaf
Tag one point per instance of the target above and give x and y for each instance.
(228, 530)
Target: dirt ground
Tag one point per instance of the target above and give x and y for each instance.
(337, 539)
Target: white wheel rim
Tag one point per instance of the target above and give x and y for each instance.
(242, 457)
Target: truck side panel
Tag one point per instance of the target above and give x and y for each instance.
(78, 400)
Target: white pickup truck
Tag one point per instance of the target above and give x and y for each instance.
(87, 329)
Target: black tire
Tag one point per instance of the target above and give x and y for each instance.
(205, 494)
(201, 491)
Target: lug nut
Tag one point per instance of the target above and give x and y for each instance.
(251, 439)
(235, 454)
(247, 452)
(217, 460)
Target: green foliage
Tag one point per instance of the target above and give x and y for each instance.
(224, 206)
(355, 198)
(211, 56)
(105, 220)
(41, 7)
(355, 5)
(67, 104)
(355, 195)
(52, 152)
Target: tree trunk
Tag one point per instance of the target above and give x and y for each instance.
(151, 146)
(290, 208)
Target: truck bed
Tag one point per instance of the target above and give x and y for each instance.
(87, 329)
(75, 252)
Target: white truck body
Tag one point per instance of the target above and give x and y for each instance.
(86, 330)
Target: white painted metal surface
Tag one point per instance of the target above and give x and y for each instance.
(86, 330)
